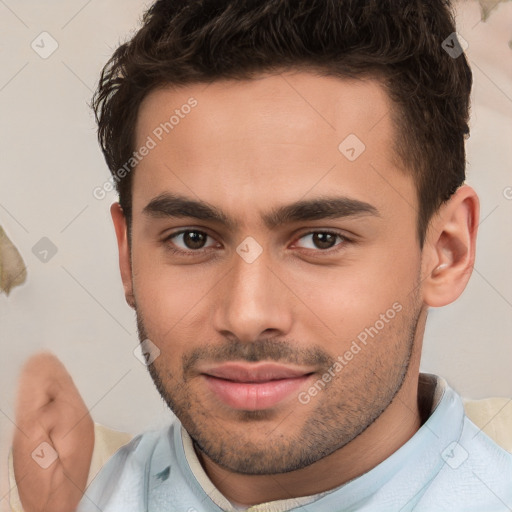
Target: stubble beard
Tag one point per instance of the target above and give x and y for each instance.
(344, 409)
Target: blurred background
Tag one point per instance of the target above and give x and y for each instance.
(72, 301)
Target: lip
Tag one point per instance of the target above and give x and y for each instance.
(255, 386)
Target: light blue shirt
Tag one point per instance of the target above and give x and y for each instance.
(448, 465)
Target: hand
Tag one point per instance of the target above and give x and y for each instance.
(53, 444)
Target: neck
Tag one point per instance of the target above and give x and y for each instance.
(392, 429)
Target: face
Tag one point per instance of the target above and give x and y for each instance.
(274, 263)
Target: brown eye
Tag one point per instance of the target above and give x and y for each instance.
(322, 240)
(189, 241)
(194, 239)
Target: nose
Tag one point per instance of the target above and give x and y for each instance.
(252, 302)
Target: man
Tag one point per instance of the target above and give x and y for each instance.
(292, 201)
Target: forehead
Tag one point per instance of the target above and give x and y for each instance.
(302, 100)
(269, 139)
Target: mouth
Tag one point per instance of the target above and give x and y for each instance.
(253, 387)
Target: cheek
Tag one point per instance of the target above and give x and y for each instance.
(170, 299)
(344, 301)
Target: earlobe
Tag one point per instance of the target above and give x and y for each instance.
(449, 252)
(120, 226)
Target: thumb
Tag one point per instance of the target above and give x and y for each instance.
(52, 447)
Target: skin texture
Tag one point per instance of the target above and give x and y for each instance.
(50, 410)
(247, 148)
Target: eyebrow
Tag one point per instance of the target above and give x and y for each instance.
(331, 207)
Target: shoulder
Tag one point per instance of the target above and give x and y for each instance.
(494, 417)
(475, 472)
(122, 481)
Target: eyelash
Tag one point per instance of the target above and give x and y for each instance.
(191, 252)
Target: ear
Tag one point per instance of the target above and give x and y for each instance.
(119, 220)
(449, 250)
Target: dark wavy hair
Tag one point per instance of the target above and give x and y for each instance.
(398, 42)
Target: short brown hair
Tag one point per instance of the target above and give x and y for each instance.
(397, 41)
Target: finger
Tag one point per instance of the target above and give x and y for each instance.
(42, 379)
